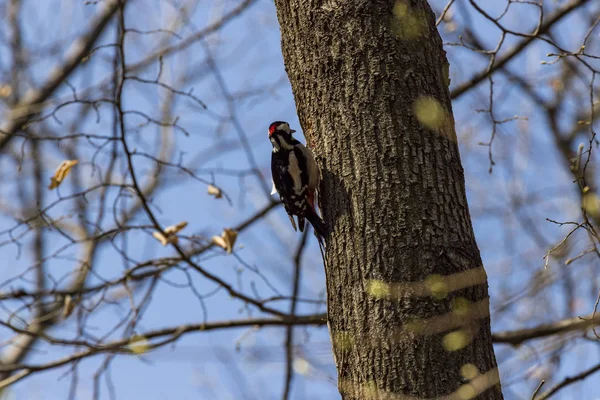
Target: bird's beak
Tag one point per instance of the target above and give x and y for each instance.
(292, 131)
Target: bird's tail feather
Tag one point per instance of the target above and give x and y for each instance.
(317, 223)
(301, 224)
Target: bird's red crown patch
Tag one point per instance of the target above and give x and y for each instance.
(272, 128)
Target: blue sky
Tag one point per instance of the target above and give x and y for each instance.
(250, 363)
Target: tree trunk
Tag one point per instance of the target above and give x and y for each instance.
(407, 295)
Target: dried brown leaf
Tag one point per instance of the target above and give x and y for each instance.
(219, 241)
(215, 191)
(161, 238)
(68, 306)
(226, 240)
(173, 229)
(171, 233)
(61, 173)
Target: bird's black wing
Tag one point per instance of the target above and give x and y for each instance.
(284, 184)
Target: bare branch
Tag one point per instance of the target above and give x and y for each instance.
(517, 49)
(517, 337)
(568, 381)
(31, 103)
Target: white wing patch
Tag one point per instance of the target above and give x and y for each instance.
(294, 171)
(313, 168)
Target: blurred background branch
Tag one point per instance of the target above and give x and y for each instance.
(165, 108)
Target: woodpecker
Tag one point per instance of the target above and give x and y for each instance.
(295, 177)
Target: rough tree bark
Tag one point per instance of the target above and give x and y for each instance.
(408, 307)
